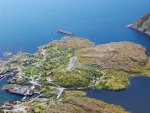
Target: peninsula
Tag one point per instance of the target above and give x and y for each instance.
(60, 67)
(142, 24)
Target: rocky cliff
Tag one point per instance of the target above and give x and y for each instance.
(142, 24)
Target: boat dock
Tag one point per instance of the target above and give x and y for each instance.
(64, 32)
(18, 89)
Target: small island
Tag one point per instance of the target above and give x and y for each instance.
(60, 68)
(142, 24)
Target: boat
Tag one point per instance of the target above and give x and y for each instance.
(24, 98)
(1, 77)
(64, 32)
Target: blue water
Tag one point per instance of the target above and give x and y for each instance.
(135, 99)
(5, 96)
(27, 24)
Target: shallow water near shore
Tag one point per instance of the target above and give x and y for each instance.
(135, 99)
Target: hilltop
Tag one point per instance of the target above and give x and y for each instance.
(142, 24)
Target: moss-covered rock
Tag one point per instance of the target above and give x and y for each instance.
(125, 56)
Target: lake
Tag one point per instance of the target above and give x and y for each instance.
(25, 25)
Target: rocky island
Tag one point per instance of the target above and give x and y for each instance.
(63, 66)
(142, 24)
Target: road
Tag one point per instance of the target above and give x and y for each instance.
(61, 89)
(72, 63)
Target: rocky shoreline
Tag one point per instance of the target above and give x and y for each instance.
(142, 24)
(139, 30)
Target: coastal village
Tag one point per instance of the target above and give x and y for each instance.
(19, 83)
(61, 67)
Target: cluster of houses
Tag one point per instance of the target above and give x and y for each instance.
(13, 87)
(11, 105)
(17, 89)
(8, 105)
(26, 89)
(42, 52)
(9, 74)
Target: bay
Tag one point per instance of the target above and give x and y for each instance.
(134, 99)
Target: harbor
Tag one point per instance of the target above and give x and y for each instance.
(14, 92)
(18, 89)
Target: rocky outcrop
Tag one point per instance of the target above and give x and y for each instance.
(142, 24)
(125, 56)
(70, 42)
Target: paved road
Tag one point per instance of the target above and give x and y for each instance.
(72, 63)
(61, 89)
